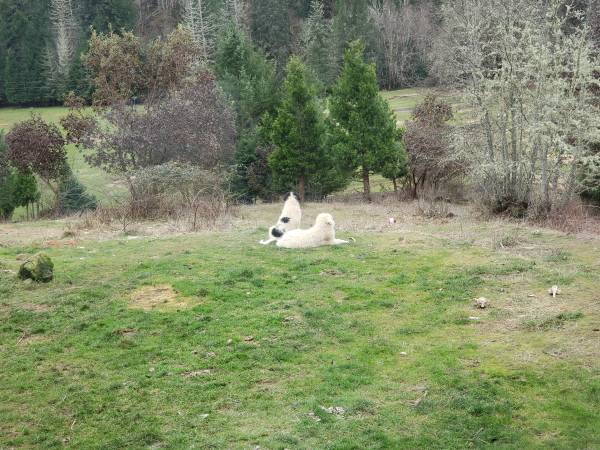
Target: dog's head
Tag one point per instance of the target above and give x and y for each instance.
(325, 220)
(290, 194)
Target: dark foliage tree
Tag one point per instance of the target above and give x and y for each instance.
(193, 125)
(26, 191)
(270, 28)
(352, 22)
(16, 188)
(170, 62)
(7, 194)
(246, 76)
(116, 64)
(106, 15)
(35, 146)
(395, 167)
(252, 176)
(7, 184)
(24, 32)
(427, 143)
(362, 125)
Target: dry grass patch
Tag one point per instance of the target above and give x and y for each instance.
(160, 297)
(35, 307)
(29, 339)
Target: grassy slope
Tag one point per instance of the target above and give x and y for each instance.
(80, 369)
(10, 116)
(98, 182)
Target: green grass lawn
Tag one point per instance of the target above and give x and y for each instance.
(403, 102)
(10, 116)
(104, 186)
(262, 339)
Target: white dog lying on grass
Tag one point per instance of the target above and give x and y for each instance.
(321, 233)
(290, 218)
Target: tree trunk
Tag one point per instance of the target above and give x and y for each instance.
(366, 184)
(414, 187)
(302, 187)
(395, 185)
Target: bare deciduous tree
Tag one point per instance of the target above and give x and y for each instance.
(405, 35)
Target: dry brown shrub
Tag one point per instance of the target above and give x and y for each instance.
(574, 217)
(434, 204)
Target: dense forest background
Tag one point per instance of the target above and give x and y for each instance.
(274, 95)
(33, 71)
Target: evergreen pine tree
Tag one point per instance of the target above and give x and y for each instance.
(23, 37)
(352, 22)
(106, 15)
(298, 132)
(73, 195)
(363, 126)
(317, 45)
(248, 78)
(270, 28)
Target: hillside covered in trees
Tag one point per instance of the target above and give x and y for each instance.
(41, 41)
(270, 96)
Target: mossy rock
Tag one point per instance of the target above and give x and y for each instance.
(38, 268)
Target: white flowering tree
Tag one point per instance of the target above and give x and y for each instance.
(529, 76)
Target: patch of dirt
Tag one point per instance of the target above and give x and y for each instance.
(161, 297)
(52, 243)
(35, 307)
(267, 385)
(198, 373)
(28, 339)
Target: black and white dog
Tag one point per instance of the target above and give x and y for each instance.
(290, 218)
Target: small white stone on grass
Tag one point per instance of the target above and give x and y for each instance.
(314, 417)
(481, 302)
(197, 373)
(337, 410)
